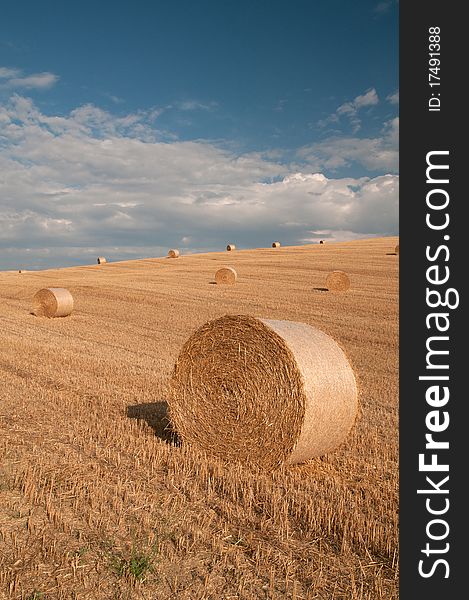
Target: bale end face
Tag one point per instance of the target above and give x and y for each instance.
(101, 260)
(275, 244)
(226, 275)
(338, 281)
(231, 247)
(52, 302)
(263, 392)
(173, 253)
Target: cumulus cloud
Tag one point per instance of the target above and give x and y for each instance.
(376, 154)
(89, 182)
(14, 79)
(6, 73)
(393, 98)
(351, 110)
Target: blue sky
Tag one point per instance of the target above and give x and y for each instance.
(128, 128)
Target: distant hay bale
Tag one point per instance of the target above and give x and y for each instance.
(261, 391)
(231, 247)
(396, 249)
(52, 302)
(101, 260)
(226, 275)
(338, 281)
(321, 241)
(20, 271)
(275, 244)
(173, 253)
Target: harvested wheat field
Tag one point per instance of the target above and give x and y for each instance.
(98, 500)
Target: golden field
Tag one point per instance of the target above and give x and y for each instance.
(99, 501)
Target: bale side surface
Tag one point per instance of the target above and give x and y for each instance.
(275, 244)
(331, 395)
(52, 302)
(238, 391)
(226, 275)
(101, 260)
(338, 281)
(231, 247)
(173, 253)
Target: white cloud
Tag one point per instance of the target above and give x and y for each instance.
(393, 98)
(39, 81)
(376, 154)
(90, 180)
(6, 73)
(195, 105)
(351, 110)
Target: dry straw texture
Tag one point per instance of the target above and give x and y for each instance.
(261, 391)
(226, 275)
(173, 253)
(231, 247)
(396, 249)
(338, 281)
(52, 302)
(275, 244)
(101, 260)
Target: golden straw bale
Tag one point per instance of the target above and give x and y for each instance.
(275, 244)
(262, 391)
(173, 253)
(101, 260)
(396, 249)
(231, 247)
(52, 302)
(337, 281)
(226, 275)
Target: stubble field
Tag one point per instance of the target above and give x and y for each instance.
(98, 500)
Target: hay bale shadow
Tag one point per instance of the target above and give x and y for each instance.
(391, 253)
(321, 289)
(156, 415)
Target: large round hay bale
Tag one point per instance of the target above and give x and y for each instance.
(231, 247)
(261, 391)
(101, 260)
(226, 275)
(396, 249)
(52, 302)
(337, 281)
(275, 244)
(321, 241)
(173, 253)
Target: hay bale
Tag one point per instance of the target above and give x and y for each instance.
(173, 253)
(101, 260)
(396, 249)
(321, 241)
(52, 302)
(261, 391)
(231, 247)
(275, 244)
(337, 281)
(226, 275)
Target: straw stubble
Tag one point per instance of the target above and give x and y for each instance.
(262, 391)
